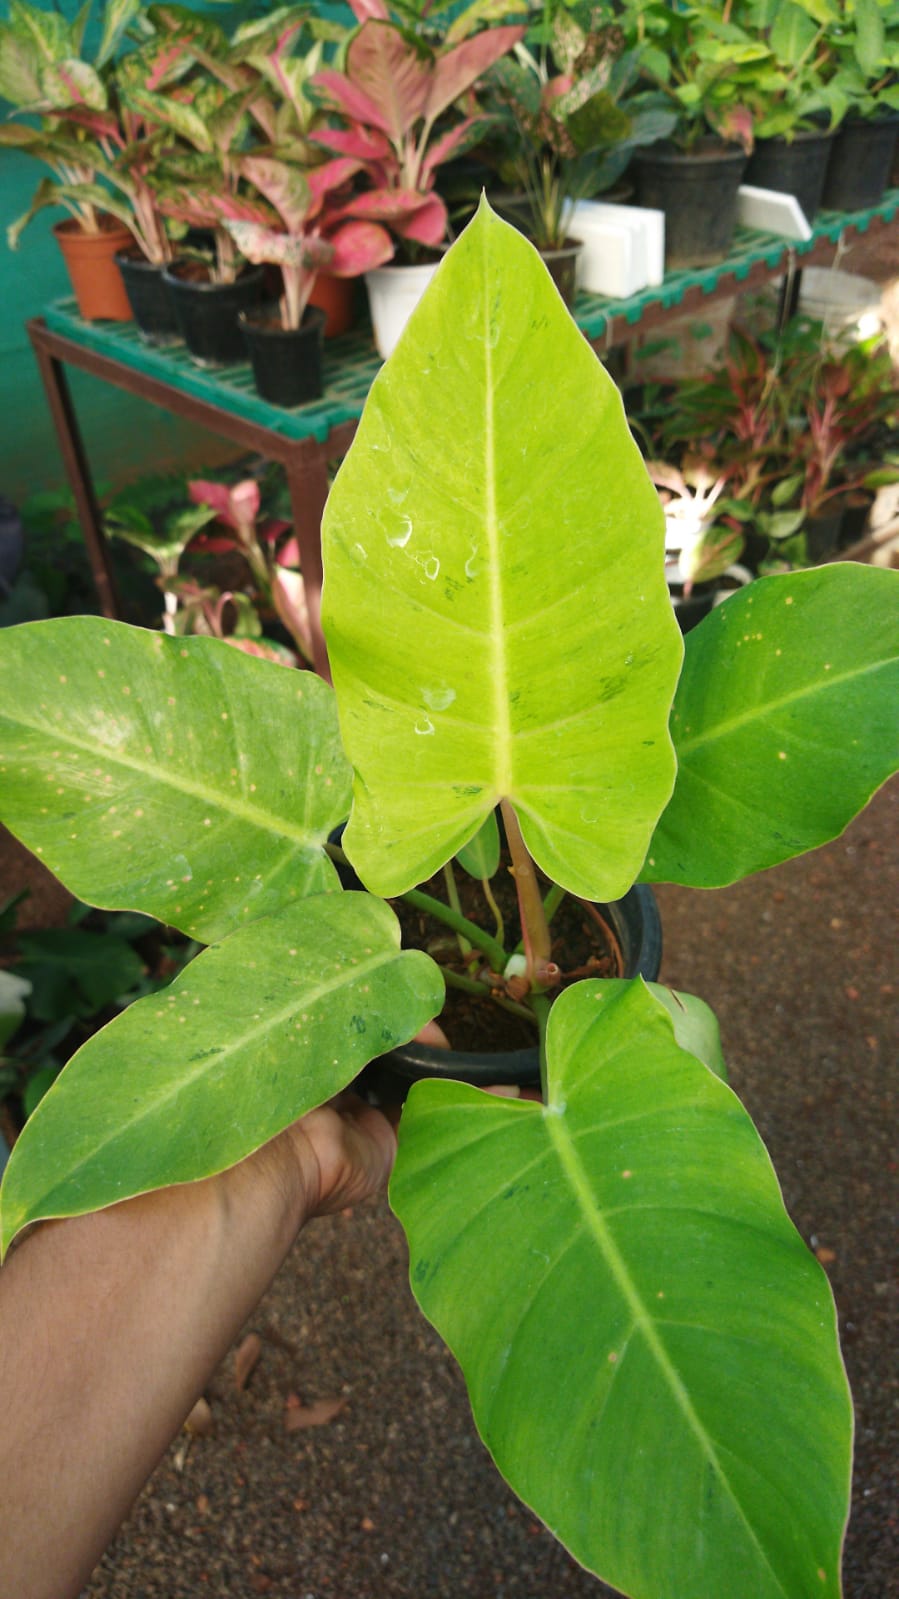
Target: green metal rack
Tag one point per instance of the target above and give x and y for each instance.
(306, 438)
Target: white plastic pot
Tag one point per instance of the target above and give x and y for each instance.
(393, 294)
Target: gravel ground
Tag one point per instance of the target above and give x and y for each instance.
(395, 1497)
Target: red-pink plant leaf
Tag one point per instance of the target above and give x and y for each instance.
(284, 186)
(735, 122)
(393, 76)
(427, 225)
(459, 68)
(363, 9)
(266, 246)
(331, 175)
(245, 499)
(336, 90)
(168, 58)
(383, 205)
(447, 145)
(359, 247)
(240, 208)
(237, 507)
(103, 124)
(365, 144)
(289, 553)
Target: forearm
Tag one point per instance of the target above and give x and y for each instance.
(112, 1325)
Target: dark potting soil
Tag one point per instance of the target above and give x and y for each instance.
(583, 945)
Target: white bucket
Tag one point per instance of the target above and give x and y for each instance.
(393, 294)
(848, 305)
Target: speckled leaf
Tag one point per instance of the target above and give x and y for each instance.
(495, 508)
(786, 720)
(174, 776)
(256, 1031)
(650, 1349)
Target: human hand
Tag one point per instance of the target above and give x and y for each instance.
(342, 1153)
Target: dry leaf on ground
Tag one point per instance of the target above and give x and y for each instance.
(317, 1414)
(245, 1357)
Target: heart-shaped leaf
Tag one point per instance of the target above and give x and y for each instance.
(256, 1031)
(785, 722)
(174, 776)
(650, 1350)
(495, 507)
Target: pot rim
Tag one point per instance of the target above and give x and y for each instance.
(258, 319)
(248, 274)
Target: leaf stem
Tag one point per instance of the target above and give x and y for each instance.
(470, 985)
(534, 926)
(459, 924)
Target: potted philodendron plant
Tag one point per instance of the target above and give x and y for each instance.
(79, 136)
(390, 96)
(651, 1351)
(566, 119)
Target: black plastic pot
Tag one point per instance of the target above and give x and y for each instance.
(149, 299)
(691, 609)
(206, 313)
(287, 363)
(822, 533)
(638, 928)
(796, 167)
(861, 158)
(697, 190)
(561, 265)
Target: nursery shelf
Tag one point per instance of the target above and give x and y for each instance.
(304, 440)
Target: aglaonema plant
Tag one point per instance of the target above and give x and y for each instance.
(650, 1350)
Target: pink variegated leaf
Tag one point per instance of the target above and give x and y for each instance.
(241, 208)
(735, 123)
(284, 186)
(308, 252)
(382, 205)
(271, 529)
(427, 225)
(393, 75)
(363, 9)
(450, 144)
(289, 553)
(364, 144)
(102, 124)
(331, 175)
(335, 91)
(359, 247)
(72, 83)
(461, 67)
(163, 65)
(237, 506)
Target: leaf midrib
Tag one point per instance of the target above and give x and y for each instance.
(762, 711)
(500, 672)
(573, 1168)
(243, 809)
(267, 1025)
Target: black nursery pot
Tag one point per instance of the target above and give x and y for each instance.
(796, 167)
(149, 299)
(636, 923)
(697, 191)
(861, 157)
(206, 313)
(287, 363)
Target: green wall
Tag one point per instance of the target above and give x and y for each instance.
(123, 436)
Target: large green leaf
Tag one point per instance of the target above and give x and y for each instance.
(786, 720)
(650, 1350)
(497, 617)
(174, 776)
(257, 1030)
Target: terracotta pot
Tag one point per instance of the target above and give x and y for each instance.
(337, 298)
(90, 259)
